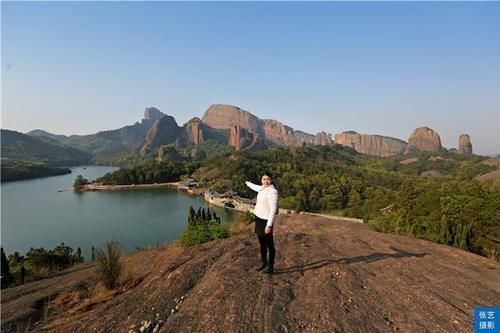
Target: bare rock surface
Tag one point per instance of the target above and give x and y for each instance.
(424, 139)
(330, 276)
(194, 131)
(221, 116)
(464, 144)
(152, 113)
(375, 145)
(323, 139)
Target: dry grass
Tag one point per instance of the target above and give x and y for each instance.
(241, 224)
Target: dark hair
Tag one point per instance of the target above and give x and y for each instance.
(267, 173)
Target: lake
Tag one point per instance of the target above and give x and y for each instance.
(36, 213)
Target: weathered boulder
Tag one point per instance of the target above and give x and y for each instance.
(424, 139)
(375, 145)
(464, 144)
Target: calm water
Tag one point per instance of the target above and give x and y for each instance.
(35, 214)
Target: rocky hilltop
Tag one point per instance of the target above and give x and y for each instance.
(424, 139)
(246, 128)
(329, 275)
(371, 144)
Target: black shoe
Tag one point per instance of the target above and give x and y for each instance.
(261, 267)
(268, 270)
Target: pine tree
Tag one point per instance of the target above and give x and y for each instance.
(79, 257)
(203, 216)
(93, 253)
(191, 216)
(6, 276)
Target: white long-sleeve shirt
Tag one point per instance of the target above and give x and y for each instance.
(267, 202)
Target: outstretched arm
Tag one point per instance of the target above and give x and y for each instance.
(256, 188)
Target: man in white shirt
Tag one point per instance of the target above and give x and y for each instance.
(265, 212)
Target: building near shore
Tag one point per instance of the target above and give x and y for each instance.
(229, 200)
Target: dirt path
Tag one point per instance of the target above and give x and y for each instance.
(331, 276)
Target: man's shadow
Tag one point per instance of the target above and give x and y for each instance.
(369, 258)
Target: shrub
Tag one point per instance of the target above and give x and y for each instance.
(203, 232)
(241, 223)
(108, 264)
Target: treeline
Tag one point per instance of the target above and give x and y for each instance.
(38, 263)
(392, 197)
(11, 171)
(149, 172)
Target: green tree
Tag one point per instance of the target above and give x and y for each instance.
(79, 183)
(6, 277)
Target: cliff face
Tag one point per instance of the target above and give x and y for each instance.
(323, 139)
(322, 283)
(464, 144)
(163, 131)
(424, 139)
(227, 116)
(375, 145)
(194, 131)
(220, 116)
(240, 138)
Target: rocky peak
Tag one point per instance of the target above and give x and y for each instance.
(163, 131)
(194, 130)
(424, 139)
(152, 113)
(375, 145)
(222, 116)
(464, 144)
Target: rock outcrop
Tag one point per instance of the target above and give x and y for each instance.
(424, 139)
(323, 139)
(152, 114)
(219, 116)
(240, 138)
(163, 131)
(375, 145)
(194, 131)
(464, 144)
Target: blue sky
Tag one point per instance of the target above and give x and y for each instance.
(374, 67)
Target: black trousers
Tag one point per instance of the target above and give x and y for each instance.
(266, 241)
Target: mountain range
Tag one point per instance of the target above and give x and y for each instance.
(222, 125)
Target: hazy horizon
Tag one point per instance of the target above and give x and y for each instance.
(381, 68)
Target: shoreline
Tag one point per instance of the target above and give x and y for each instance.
(173, 185)
(201, 191)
